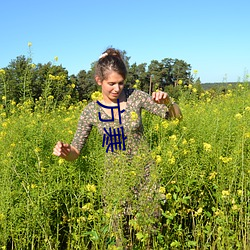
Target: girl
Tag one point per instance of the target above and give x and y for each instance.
(120, 108)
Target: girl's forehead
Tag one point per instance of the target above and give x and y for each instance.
(112, 75)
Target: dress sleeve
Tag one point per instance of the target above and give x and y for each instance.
(84, 127)
(151, 106)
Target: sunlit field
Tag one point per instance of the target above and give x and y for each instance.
(202, 164)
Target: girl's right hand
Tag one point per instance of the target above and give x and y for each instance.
(61, 149)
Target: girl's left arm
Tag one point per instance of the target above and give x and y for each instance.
(159, 104)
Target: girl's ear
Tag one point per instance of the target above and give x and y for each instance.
(98, 80)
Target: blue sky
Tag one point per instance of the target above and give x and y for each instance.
(212, 36)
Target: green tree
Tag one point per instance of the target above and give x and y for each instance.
(138, 73)
(18, 79)
(181, 71)
(168, 72)
(86, 84)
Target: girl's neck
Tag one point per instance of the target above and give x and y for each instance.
(108, 102)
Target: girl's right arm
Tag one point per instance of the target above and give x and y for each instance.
(66, 151)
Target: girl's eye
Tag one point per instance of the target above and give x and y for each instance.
(112, 83)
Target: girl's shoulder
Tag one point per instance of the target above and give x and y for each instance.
(91, 107)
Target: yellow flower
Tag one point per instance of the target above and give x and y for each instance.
(2, 72)
(90, 217)
(50, 97)
(96, 96)
(87, 207)
(133, 173)
(184, 141)
(4, 124)
(13, 103)
(135, 86)
(212, 175)
(173, 137)
(175, 122)
(218, 212)
(81, 219)
(56, 58)
(3, 97)
(133, 116)
(51, 77)
(73, 85)
(238, 116)
(158, 159)
(190, 86)
(91, 188)
(168, 196)
(171, 160)
(162, 190)
(191, 140)
(246, 108)
(29, 44)
(195, 71)
(194, 90)
(180, 82)
(239, 192)
(225, 193)
(108, 215)
(198, 212)
(225, 159)
(9, 154)
(137, 81)
(235, 207)
(37, 149)
(61, 161)
(164, 124)
(207, 147)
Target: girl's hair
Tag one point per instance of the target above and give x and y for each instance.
(110, 60)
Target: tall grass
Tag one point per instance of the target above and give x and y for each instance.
(202, 164)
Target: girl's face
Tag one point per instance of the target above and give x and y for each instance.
(112, 86)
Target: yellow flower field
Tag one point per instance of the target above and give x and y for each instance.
(202, 165)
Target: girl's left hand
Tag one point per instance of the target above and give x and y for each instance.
(161, 97)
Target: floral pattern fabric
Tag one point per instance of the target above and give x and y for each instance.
(131, 119)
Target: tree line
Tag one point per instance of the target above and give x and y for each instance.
(22, 79)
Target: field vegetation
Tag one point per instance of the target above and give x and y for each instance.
(202, 164)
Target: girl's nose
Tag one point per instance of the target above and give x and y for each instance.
(117, 87)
